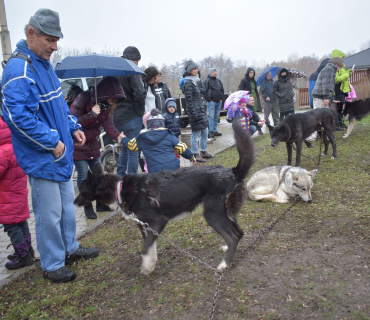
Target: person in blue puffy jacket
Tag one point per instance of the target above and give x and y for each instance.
(42, 133)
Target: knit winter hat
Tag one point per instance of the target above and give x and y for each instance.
(131, 53)
(155, 120)
(211, 70)
(242, 100)
(170, 102)
(190, 65)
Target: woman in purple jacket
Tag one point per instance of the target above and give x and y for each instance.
(91, 116)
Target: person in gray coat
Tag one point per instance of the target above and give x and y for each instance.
(323, 91)
(270, 103)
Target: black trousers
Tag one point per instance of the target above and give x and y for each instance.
(17, 231)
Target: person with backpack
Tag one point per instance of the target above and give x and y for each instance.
(43, 137)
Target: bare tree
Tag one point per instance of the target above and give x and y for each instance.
(365, 45)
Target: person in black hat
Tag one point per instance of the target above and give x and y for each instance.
(43, 131)
(129, 112)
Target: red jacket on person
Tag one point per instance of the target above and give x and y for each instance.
(108, 88)
(13, 182)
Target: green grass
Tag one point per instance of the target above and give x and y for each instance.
(309, 263)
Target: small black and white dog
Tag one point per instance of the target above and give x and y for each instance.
(298, 127)
(168, 195)
(356, 110)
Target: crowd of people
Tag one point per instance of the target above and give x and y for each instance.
(44, 135)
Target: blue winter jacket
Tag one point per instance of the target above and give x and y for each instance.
(38, 117)
(157, 146)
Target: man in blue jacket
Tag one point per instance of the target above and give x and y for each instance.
(42, 130)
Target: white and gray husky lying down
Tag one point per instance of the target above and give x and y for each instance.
(280, 183)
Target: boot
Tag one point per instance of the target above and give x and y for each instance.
(206, 155)
(211, 135)
(100, 206)
(89, 211)
(217, 134)
(199, 158)
(27, 238)
(23, 257)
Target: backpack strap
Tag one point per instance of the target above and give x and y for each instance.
(19, 55)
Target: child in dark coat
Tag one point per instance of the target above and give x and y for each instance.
(14, 210)
(157, 145)
(171, 117)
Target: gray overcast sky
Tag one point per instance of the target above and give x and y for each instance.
(166, 31)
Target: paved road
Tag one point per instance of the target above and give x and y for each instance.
(83, 224)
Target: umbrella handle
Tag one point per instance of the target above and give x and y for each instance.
(96, 89)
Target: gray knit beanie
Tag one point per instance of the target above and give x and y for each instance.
(211, 70)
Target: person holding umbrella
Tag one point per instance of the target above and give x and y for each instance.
(43, 131)
(92, 114)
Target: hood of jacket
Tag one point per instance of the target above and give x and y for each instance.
(153, 136)
(247, 74)
(322, 65)
(337, 54)
(280, 70)
(5, 135)
(108, 88)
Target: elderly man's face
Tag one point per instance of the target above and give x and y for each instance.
(251, 101)
(214, 74)
(42, 46)
(268, 76)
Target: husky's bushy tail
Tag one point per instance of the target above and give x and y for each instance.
(244, 145)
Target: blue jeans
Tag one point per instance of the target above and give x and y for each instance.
(82, 167)
(129, 160)
(252, 129)
(195, 135)
(55, 219)
(214, 109)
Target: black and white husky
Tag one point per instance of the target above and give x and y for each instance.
(355, 111)
(163, 196)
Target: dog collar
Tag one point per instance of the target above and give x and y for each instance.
(118, 193)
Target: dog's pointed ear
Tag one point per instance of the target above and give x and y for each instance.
(98, 168)
(312, 173)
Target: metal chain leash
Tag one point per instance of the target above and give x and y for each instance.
(145, 226)
(241, 254)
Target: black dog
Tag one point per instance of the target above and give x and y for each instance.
(356, 111)
(298, 127)
(160, 197)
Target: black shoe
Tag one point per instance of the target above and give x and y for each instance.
(344, 126)
(19, 262)
(339, 128)
(100, 206)
(61, 275)
(211, 135)
(89, 211)
(217, 134)
(82, 253)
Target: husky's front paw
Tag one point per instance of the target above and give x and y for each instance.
(144, 270)
(222, 265)
(224, 248)
(333, 158)
(345, 136)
